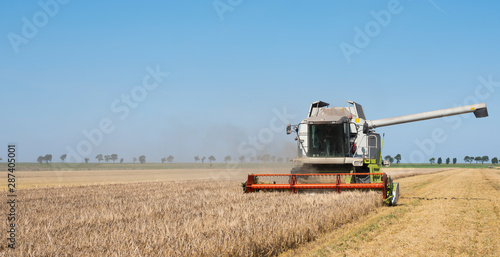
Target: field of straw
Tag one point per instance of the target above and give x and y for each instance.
(177, 218)
(396, 173)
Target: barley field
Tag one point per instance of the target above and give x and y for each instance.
(176, 218)
(160, 213)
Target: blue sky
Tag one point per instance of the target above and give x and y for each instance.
(231, 69)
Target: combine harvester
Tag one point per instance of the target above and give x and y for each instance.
(338, 149)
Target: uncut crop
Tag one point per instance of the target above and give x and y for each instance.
(189, 218)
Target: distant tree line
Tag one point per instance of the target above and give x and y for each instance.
(266, 158)
(396, 158)
(100, 157)
(47, 158)
(169, 159)
(467, 159)
(211, 158)
(481, 159)
(107, 158)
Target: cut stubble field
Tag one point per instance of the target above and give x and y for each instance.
(189, 213)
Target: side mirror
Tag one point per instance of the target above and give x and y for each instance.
(365, 128)
(288, 129)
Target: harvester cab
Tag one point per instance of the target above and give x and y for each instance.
(340, 143)
(335, 138)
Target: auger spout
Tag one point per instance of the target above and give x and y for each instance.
(479, 111)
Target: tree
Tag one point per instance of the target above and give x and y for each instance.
(47, 158)
(196, 158)
(252, 159)
(266, 158)
(448, 160)
(478, 159)
(163, 160)
(99, 157)
(114, 157)
(468, 159)
(40, 159)
(242, 158)
(142, 159)
(494, 160)
(454, 160)
(280, 159)
(86, 160)
(134, 160)
(484, 159)
(170, 158)
(211, 158)
(389, 158)
(63, 157)
(273, 158)
(107, 158)
(121, 160)
(440, 160)
(227, 159)
(398, 158)
(1, 158)
(432, 160)
(203, 159)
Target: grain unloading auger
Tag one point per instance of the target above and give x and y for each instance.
(338, 149)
